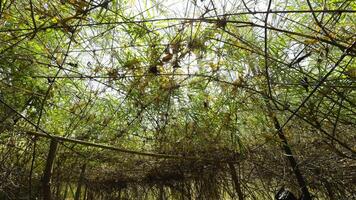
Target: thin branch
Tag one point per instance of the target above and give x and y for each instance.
(33, 20)
(266, 49)
(319, 84)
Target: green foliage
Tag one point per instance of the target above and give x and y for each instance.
(197, 80)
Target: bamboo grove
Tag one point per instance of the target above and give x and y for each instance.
(170, 99)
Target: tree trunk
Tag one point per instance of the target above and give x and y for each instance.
(46, 182)
(236, 181)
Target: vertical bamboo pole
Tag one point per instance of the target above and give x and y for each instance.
(236, 181)
(290, 156)
(80, 183)
(46, 182)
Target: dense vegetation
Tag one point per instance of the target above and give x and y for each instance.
(194, 99)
